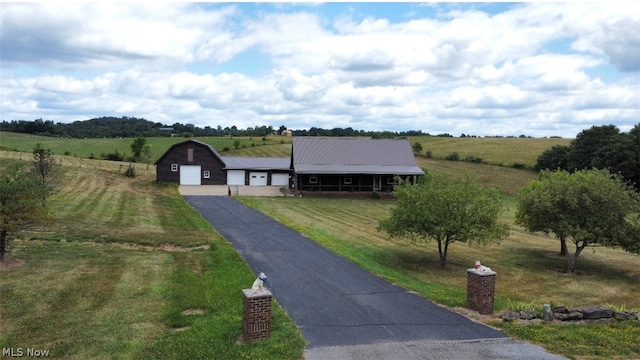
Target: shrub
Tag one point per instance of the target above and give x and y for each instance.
(473, 159)
(131, 172)
(113, 156)
(454, 156)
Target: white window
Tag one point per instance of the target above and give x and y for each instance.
(313, 179)
(347, 180)
(174, 167)
(207, 174)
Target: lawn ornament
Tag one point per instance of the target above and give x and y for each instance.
(481, 267)
(258, 284)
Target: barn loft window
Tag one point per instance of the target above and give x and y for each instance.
(313, 179)
(207, 174)
(190, 155)
(174, 167)
(347, 180)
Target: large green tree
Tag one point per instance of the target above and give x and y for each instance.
(599, 147)
(446, 211)
(20, 205)
(586, 208)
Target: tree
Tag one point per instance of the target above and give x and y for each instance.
(587, 207)
(590, 147)
(417, 148)
(146, 151)
(46, 169)
(445, 211)
(553, 159)
(137, 147)
(20, 205)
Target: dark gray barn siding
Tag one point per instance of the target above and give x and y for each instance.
(202, 155)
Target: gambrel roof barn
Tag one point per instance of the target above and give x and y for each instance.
(194, 162)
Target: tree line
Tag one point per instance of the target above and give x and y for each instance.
(114, 127)
(599, 147)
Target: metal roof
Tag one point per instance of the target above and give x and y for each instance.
(256, 163)
(313, 155)
(209, 147)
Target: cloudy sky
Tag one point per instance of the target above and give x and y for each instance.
(549, 69)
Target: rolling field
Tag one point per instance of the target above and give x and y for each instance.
(497, 151)
(125, 258)
(128, 270)
(83, 148)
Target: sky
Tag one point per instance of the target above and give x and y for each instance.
(485, 69)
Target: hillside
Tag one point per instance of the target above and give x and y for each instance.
(498, 151)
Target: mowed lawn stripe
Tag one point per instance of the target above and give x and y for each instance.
(102, 298)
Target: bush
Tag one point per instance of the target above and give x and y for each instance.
(375, 195)
(131, 172)
(473, 159)
(113, 156)
(454, 156)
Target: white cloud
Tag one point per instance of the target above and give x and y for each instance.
(528, 69)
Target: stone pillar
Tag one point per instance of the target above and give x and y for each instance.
(481, 287)
(256, 314)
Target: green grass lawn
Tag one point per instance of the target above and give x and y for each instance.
(113, 276)
(529, 269)
(120, 246)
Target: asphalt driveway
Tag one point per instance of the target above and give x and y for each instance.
(342, 310)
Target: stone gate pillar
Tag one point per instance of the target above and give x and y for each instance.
(481, 287)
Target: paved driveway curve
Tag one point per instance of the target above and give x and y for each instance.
(337, 305)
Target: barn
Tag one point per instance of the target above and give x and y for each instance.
(193, 162)
(351, 165)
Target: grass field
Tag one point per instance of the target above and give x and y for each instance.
(528, 266)
(277, 146)
(128, 270)
(498, 151)
(124, 260)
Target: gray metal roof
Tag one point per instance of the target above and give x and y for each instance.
(256, 163)
(313, 155)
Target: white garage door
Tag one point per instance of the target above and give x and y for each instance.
(235, 177)
(279, 179)
(190, 175)
(257, 178)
